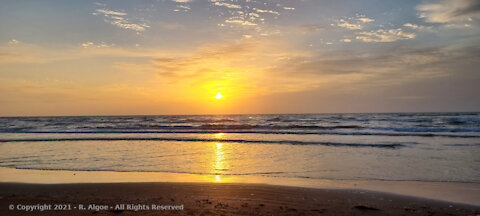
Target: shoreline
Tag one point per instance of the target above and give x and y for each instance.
(453, 192)
(213, 199)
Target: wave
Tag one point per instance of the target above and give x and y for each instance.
(265, 174)
(455, 125)
(215, 126)
(350, 133)
(210, 120)
(290, 142)
(462, 121)
(464, 144)
(324, 127)
(426, 129)
(235, 127)
(208, 126)
(271, 174)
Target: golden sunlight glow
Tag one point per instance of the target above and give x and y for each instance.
(218, 96)
(219, 160)
(220, 157)
(218, 135)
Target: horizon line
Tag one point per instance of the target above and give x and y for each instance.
(233, 114)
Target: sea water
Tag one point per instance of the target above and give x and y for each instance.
(389, 146)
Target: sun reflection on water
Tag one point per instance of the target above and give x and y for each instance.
(219, 166)
(219, 157)
(218, 135)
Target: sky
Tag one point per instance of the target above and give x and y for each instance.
(163, 57)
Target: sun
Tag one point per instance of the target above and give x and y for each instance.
(218, 96)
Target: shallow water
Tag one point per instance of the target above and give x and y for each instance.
(398, 146)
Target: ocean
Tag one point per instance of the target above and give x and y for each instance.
(442, 147)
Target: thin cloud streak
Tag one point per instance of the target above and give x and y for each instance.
(120, 19)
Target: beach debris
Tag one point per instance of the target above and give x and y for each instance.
(364, 207)
(221, 205)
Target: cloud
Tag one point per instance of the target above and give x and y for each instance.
(354, 23)
(121, 20)
(182, 6)
(90, 44)
(366, 20)
(417, 27)
(390, 69)
(100, 4)
(250, 17)
(239, 67)
(266, 11)
(377, 34)
(87, 44)
(410, 25)
(206, 58)
(318, 65)
(240, 21)
(234, 67)
(111, 12)
(450, 11)
(305, 29)
(35, 54)
(352, 26)
(15, 51)
(236, 18)
(228, 5)
(13, 42)
(382, 35)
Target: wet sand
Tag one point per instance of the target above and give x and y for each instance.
(217, 199)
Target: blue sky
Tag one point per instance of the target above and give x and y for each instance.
(270, 56)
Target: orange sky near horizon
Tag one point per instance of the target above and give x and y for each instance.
(266, 56)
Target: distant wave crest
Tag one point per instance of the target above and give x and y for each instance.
(291, 142)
